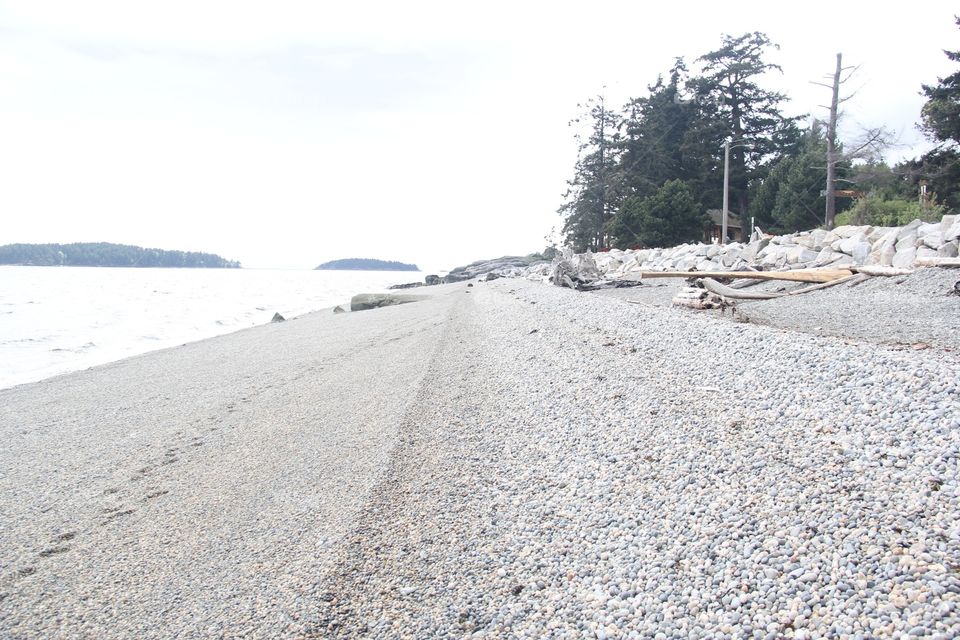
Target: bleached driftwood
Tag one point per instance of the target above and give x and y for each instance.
(880, 270)
(728, 292)
(796, 275)
(937, 262)
(695, 298)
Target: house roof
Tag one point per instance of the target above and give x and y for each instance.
(716, 217)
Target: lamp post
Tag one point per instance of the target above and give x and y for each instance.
(726, 188)
(726, 191)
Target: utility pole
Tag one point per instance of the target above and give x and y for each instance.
(726, 191)
(603, 172)
(831, 149)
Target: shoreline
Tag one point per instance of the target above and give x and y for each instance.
(509, 458)
(57, 321)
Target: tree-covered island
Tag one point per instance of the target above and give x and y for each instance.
(105, 254)
(366, 264)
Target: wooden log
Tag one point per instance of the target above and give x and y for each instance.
(880, 270)
(797, 275)
(937, 262)
(727, 292)
(696, 304)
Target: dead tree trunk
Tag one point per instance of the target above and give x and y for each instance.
(831, 206)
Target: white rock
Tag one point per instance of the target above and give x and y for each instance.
(908, 229)
(730, 257)
(905, 257)
(849, 230)
(933, 239)
(946, 222)
(799, 254)
(879, 232)
(953, 233)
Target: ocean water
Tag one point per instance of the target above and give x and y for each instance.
(59, 319)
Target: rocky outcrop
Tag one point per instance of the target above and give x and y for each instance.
(840, 247)
(366, 301)
(277, 318)
(505, 266)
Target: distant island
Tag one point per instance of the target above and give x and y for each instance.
(105, 254)
(366, 264)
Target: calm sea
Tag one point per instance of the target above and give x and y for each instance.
(59, 319)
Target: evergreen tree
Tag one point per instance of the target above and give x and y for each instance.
(941, 122)
(668, 137)
(941, 113)
(788, 198)
(671, 215)
(746, 114)
(592, 194)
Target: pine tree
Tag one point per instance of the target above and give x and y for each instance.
(747, 114)
(592, 195)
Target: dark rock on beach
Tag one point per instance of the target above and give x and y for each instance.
(366, 301)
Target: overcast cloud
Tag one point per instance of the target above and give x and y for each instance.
(287, 133)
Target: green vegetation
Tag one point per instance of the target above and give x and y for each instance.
(366, 264)
(668, 217)
(880, 212)
(645, 174)
(105, 254)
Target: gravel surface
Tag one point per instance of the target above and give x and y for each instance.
(504, 460)
(579, 466)
(199, 491)
(921, 307)
(904, 310)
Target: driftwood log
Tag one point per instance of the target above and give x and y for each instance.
(880, 270)
(728, 292)
(937, 262)
(696, 298)
(797, 275)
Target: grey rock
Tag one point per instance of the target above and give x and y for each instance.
(367, 301)
(905, 257)
(949, 250)
(277, 318)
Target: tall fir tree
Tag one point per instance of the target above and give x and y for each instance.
(747, 114)
(592, 194)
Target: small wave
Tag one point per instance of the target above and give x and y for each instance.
(149, 338)
(80, 349)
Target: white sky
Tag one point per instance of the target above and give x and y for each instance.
(287, 133)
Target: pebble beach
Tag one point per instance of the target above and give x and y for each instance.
(504, 459)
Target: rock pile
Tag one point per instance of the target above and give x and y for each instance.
(844, 246)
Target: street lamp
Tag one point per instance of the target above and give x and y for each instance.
(726, 187)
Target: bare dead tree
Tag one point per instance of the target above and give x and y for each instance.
(869, 144)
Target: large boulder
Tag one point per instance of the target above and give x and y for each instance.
(949, 249)
(951, 232)
(905, 257)
(366, 301)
